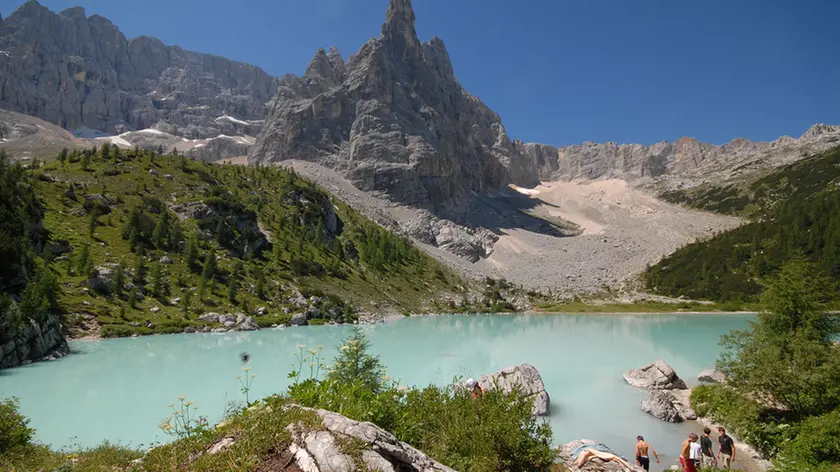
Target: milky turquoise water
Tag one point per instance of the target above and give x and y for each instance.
(118, 389)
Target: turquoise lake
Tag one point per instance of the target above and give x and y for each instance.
(119, 389)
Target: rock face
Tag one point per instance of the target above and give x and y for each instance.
(656, 376)
(660, 405)
(321, 451)
(77, 71)
(394, 119)
(711, 376)
(526, 379)
(221, 147)
(567, 455)
(32, 342)
(589, 161)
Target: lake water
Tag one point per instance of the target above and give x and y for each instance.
(118, 389)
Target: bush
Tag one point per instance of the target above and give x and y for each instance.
(815, 444)
(496, 433)
(14, 432)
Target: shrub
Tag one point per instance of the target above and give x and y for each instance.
(14, 430)
(815, 444)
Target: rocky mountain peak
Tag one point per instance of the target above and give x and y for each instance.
(399, 19)
(820, 129)
(74, 12)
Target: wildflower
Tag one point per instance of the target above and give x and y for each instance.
(246, 369)
(253, 375)
(320, 347)
(182, 397)
(171, 405)
(301, 346)
(311, 364)
(188, 403)
(343, 348)
(195, 408)
(312, 352)
(238, 377)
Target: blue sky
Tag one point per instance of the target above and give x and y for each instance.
(558, 72)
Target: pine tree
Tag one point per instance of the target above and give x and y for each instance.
(157, 281)
(84, 264)
(161, 231)
(260, 283)
(186, 304)
(192, 252)
(62, 156)
(133, 239)
(208, 270)
(139, 277)
(85, 162)
(132, 297)
(231, 289)
(94, 212)
(105, 150)
(119, 281)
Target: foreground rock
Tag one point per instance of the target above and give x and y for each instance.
(567, 455)
(661, 405)
(526, 379)
(656, 376)
(323, 449)
(711, 376)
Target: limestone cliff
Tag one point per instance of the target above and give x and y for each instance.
(77, 71)
(31, 341)
(394, 119)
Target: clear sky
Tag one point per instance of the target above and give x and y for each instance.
(558, 72)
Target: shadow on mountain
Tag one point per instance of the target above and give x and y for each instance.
(507, 209)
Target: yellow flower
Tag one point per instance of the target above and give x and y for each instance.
(238, 377)
(195, 407)
(343, 348)
(171, 405)
(188, 403)
(301, 346)
(253, 375)
(312, 352)
(320, 347)
(311, 364)
(182, 397)
(246, 369)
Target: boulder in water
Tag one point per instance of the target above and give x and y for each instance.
(661, 405)
(656, 376)
(526, 378)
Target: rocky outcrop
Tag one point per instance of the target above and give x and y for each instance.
(393, 119)
(237, 322)
(711, 376)
(656, 376)
(220, 147)
(661, 404)
(321, 450)
(526, 379)
(32, 341)
(78, 71)
(567, 455)
(685, 156)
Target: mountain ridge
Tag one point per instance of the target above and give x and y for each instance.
(67, 69)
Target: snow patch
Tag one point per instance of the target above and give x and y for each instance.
(232, 120)
(198, 146)
(151, 131)
(526, 191)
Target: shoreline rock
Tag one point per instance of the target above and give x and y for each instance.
(565, 456)
(711, 376)
(656, 376)
(527, 379)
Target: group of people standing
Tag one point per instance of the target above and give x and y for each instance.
(696, 453)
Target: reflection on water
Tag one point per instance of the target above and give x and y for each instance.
(120, 388)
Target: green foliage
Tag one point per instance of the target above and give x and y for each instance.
(184, 420)
(815, 446)
(15, 433)
(157, 281)
(21, 213)
(355, 364)
(783, 374)
(494, 433)
(787, 358)
(139, 276)
(84, 263)
(795, 211)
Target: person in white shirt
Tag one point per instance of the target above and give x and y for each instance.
(695, 453)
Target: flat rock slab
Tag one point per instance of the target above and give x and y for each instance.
(565, 455)
(656, 376)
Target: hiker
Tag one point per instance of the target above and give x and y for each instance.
(707, 458)
(474, 388)
(642, 457)
(726, 453)
(685, 454)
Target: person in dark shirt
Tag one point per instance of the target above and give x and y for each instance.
(726, 453)
(707, 460)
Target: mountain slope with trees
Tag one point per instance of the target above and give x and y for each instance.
(795, 211)
(144, 243)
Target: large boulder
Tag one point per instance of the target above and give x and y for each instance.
(711, 376)
(526, 379)
(299, 319)
(660, 405)
(672, 406)
(102, 280)
(322, 451)
(656, 376)
(248, 324)
(568, 454)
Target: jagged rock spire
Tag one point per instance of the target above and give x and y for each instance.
(398, 29)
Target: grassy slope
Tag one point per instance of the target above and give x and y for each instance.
(795, 210)
(401, 279)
